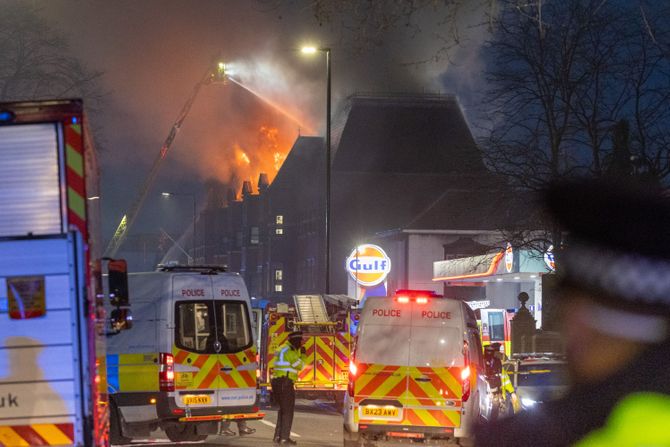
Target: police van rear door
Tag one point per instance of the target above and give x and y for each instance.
(214, 352)
(437, 361)
(379, 374)
(237, 358)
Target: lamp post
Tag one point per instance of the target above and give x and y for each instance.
(326, 51)
(169, 194)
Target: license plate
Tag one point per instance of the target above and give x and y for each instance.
(374, 411)
(201, 399)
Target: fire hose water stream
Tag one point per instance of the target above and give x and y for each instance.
(274, 105)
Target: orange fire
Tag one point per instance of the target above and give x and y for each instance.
(266, 156)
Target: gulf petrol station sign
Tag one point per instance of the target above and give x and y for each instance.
(368, 265)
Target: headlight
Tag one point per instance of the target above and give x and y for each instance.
(528, 403)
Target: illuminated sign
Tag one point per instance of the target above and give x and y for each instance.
(26, 297)
(474, 305)
(509, 258)
(549, 258)
(368, 265)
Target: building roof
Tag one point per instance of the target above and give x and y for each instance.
(304, 165)
(407, 134)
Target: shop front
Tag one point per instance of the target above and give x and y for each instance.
(501, 276)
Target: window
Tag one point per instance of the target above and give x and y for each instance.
(279, 220)
(279, 288)
(496, 326)
(254, 239)
(279, 231)
(212, 326)
(279, 274)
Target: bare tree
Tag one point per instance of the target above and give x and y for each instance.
(576, 88)
(35, 62)
(561, 75)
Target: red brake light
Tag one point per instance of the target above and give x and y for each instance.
(166, 372)
(422, 300)
(403, 299)
(465, 373)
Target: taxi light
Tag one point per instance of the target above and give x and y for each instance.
(465, 373)
(403, 299)
(422, 300)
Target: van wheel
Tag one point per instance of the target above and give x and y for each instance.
(351, 439)
(183, 433)
(115, 429)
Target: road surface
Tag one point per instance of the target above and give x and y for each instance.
(316, 424)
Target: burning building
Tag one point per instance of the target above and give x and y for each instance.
(406, 176)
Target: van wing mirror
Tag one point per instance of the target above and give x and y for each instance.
(118, 283)
(117, 287)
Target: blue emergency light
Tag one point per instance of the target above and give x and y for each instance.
(6, 116)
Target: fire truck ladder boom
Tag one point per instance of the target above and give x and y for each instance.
(129, 219)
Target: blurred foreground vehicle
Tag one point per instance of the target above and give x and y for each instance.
(53, 389)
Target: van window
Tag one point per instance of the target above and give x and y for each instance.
(199, 326)
(436, 347)
(496, 326)
(234, 325)
(382, 344)
(194, 327)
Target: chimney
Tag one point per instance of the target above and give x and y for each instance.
(246, 189)
(263, 183)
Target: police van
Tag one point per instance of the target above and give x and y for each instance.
(189, 360)
(415, 374)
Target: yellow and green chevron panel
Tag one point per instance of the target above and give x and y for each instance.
(132, 372)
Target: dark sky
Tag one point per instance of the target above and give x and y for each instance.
(153, 52)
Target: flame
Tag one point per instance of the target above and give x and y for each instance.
(279, 160)
(241, 156)
(265, 156)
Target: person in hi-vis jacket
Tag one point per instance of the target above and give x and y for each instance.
(289, 360)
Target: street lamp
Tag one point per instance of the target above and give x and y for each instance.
(169, 194)
(313, 50)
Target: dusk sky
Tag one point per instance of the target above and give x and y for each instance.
(152, 54)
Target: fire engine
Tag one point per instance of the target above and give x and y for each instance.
(52, 321)
(495, 327)
(328, 324)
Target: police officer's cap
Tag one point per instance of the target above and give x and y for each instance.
(618, 243)
(295, 334)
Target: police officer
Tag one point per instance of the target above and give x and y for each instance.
(614, 275)
(289, 360)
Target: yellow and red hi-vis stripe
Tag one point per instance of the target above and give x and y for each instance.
(342, 353)
(421, 399)
(211, 367)
(306, 374)
(75, 177)
(36, 434)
